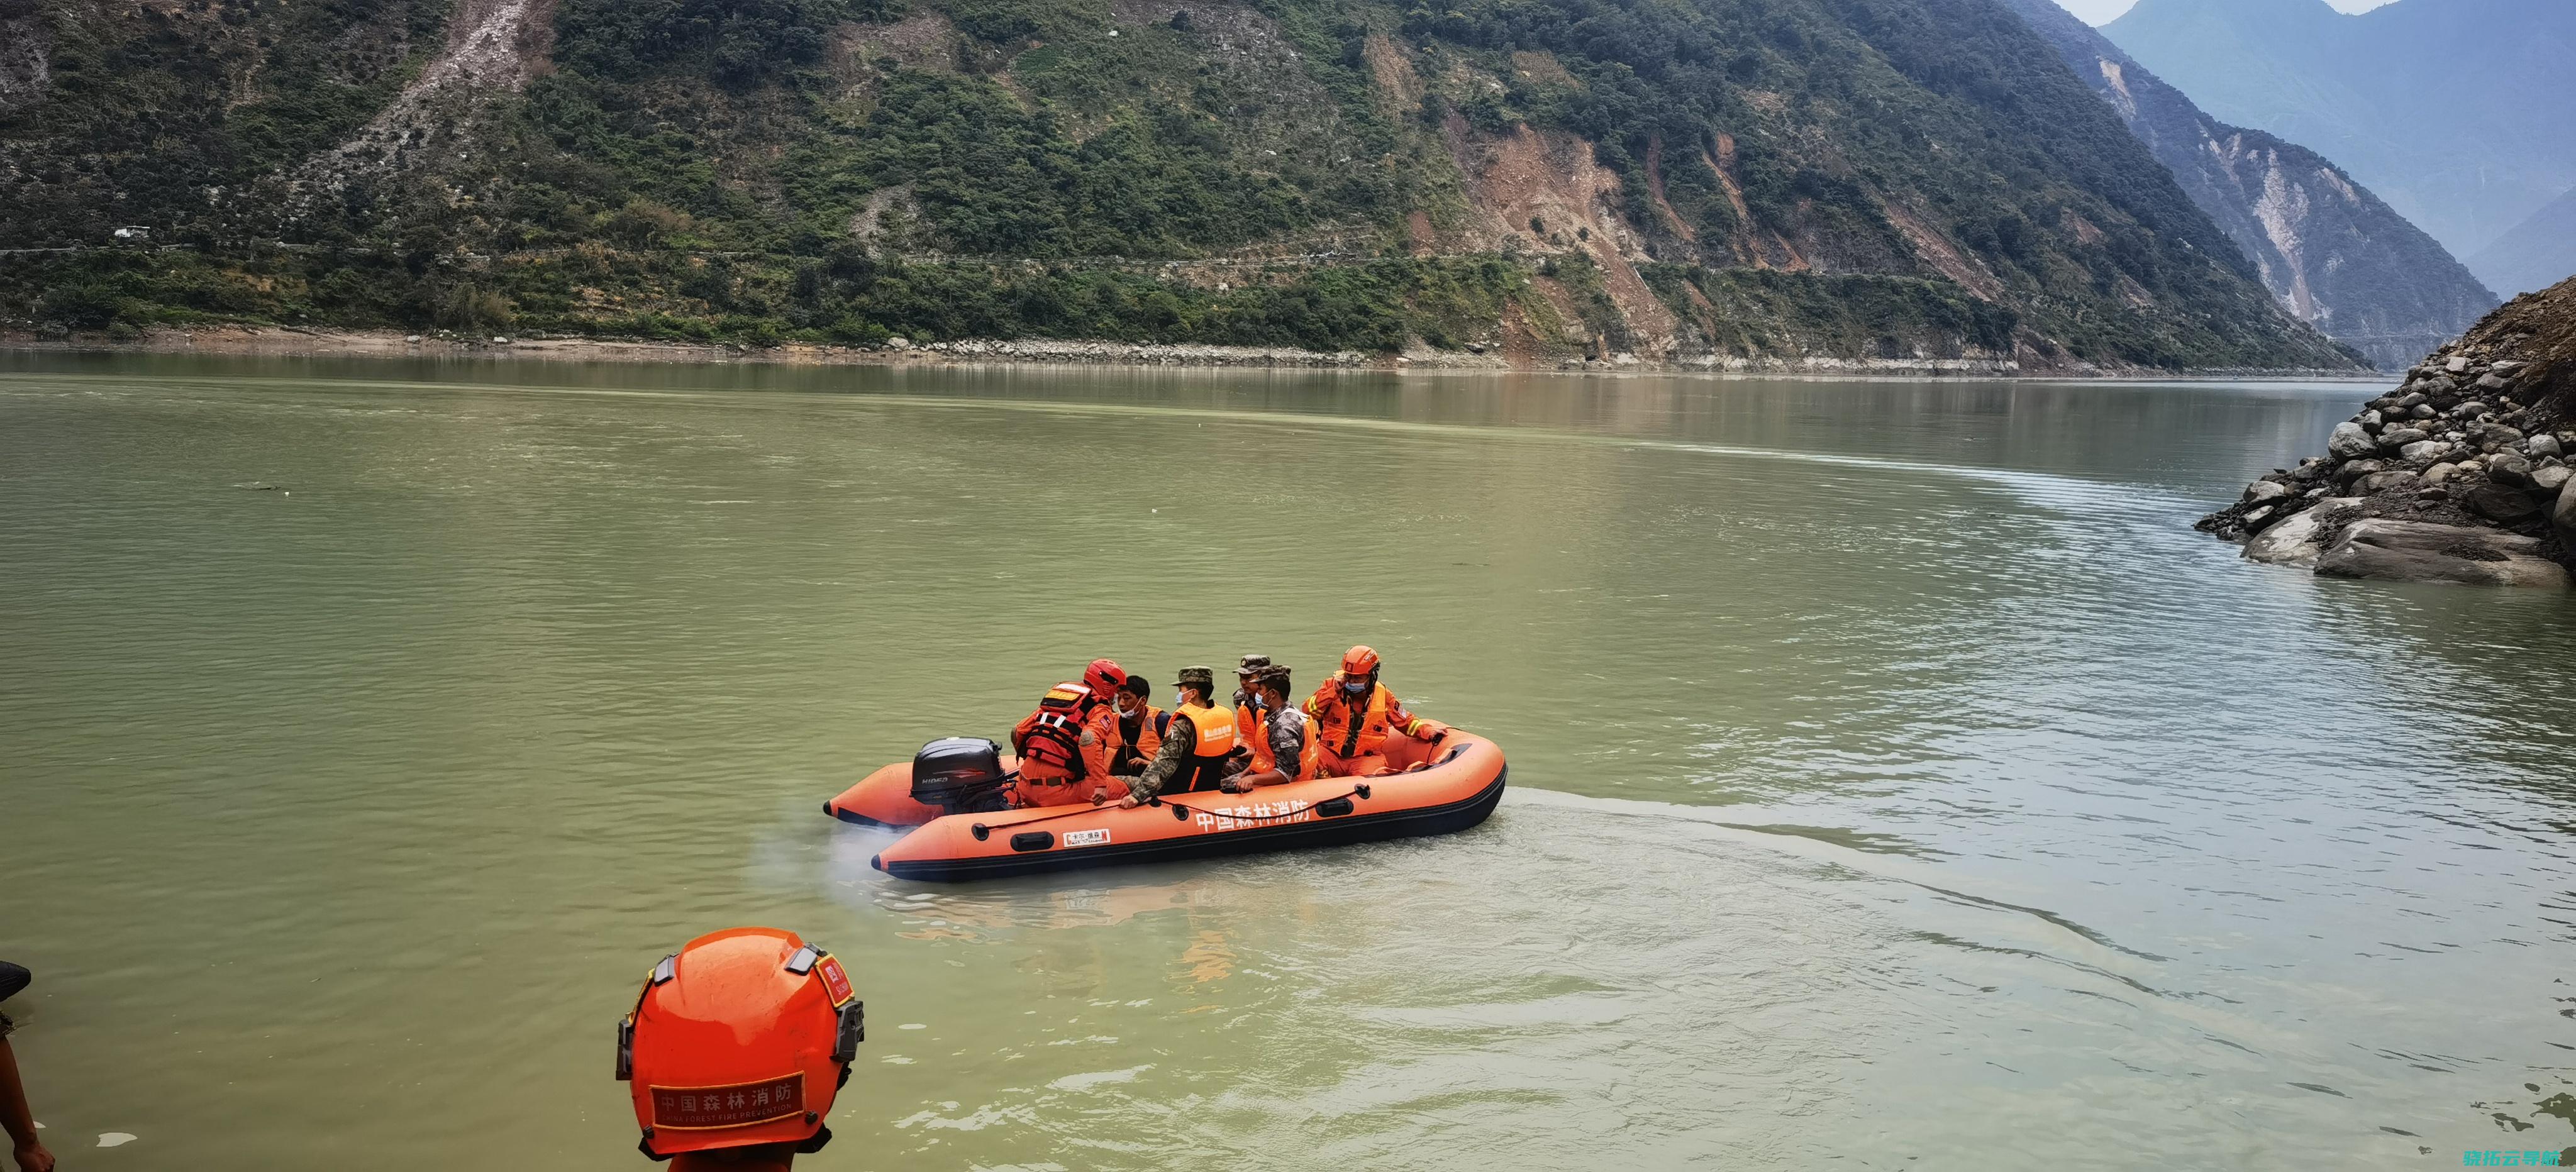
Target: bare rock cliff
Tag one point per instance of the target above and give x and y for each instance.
(2335, 255)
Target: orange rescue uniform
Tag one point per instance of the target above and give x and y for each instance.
(1064, 750)
(1351, 733)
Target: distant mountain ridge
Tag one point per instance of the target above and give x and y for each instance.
(2456, 111)
(2536, 254)
(2332, 252)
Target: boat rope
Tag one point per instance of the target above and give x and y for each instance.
(1179, 810)
(982, 831)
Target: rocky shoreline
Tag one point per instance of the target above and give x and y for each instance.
(304, 342)
(2461, 474)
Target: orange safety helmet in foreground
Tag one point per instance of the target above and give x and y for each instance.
(1361, 660)
(742, 1037)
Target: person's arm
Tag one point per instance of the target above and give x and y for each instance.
(1177, 741)
(1099, 740)
(1410, 725)
(1245, 782)
(1020, 735)
(14, 1115)
(1287, 741)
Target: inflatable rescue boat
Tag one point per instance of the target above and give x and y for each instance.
(955, 838)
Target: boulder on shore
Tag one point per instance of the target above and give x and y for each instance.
(2410, 551)
(2350, 442)
(2295, 540)
(2459, 473)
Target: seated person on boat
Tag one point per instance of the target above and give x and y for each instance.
(1353, 713)
(1064, 746)
(1140, 727)
(1196, 744)
(1278, 737)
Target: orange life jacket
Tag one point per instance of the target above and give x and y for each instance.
(1052, 735)
(1334, 720)
(1151, 724)
(1215, 739)
(1250, 734)
(1215, 728)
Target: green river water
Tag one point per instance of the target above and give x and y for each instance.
(1898, 782)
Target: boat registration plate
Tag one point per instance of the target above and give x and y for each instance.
(1085, 837)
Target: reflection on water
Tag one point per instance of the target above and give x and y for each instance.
(1896, 777)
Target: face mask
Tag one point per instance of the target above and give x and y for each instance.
(1354, 687)
(1180, 699)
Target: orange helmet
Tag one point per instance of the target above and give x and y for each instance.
(1359, 661)
(1103, 678)
(742, 1037)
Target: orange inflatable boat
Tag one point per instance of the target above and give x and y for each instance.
(1461, 782)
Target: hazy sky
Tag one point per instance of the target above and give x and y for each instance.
(2103, 11)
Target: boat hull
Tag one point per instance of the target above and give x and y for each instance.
(1458, 789)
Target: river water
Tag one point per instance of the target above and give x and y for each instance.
(1898, 782)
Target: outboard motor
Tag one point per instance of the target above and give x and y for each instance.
(959, 775)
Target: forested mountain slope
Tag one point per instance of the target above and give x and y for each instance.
(2332, 252)
(1763, 180)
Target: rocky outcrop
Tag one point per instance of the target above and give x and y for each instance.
(2295, 540)
(2417, 551)
(2461, 474)
(494, 47)
(2333, 254)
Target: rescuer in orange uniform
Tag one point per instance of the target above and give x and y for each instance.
(1198, 744)
(1140, 728)
(1353, 713)
(1280, 738)
(1064, 746)
(735, 1049)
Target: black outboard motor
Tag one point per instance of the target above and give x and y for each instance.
(960, 775)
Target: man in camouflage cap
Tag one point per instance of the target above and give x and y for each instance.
(1277, 743)
(1196, 746)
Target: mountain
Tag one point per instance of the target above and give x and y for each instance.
(2333, 254)
(2455, 110)
(1725, 181)
(2535, 254)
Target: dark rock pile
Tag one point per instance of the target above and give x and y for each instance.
(2458, 475)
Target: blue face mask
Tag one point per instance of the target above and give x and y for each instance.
(1180, 699)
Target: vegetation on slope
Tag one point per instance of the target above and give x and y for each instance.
(849, 169)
